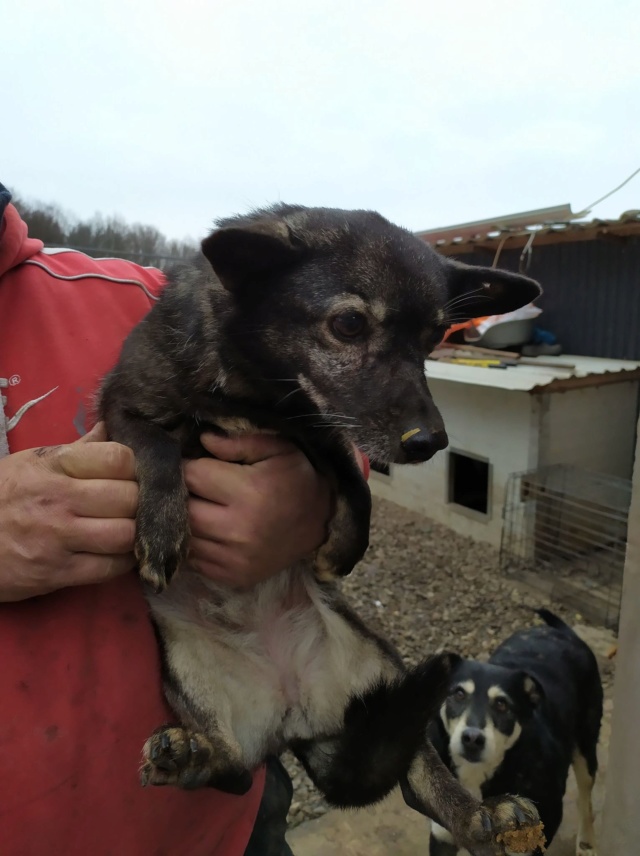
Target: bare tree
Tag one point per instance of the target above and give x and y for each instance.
(102, 236)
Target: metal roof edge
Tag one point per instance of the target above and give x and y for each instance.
(548, 225)
(606, 378)
(586, 372)
(537, 217)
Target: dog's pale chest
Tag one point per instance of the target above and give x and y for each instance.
(285, 658)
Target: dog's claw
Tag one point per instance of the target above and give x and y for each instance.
(520, 816)
(486, 822)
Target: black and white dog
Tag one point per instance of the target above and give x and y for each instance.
(517, 723)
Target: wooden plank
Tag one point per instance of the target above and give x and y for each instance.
(476, 349)
(547, 364)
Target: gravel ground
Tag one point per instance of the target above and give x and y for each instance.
(426, 588)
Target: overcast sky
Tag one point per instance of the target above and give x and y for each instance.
(174, 113)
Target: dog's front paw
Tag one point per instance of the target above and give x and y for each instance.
(324, 567)
(162, 538)
(506, 825)
(160, 555)
(346, 543)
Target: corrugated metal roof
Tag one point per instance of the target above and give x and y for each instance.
(591, 293)
(526, 378)
(546, 226)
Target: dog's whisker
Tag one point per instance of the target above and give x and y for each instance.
(288, 395)
(458, 319)
(460, 310)
(334, 425)
(469, 298)
(468, 295)
(302, 416)
(321, 416)
(467, 301)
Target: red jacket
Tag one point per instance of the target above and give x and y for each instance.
(80, 687)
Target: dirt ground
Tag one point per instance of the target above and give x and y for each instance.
(426, 587)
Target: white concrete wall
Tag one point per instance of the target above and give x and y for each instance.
(621, 817)
(492, 423)
(593, 428)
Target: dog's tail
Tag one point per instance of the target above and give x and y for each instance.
(553, 620)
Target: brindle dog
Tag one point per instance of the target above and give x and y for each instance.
(315, 324)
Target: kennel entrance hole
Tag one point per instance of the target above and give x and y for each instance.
(469, 482)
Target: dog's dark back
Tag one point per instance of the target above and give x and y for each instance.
(551, 654)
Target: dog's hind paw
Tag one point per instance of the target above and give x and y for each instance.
(188, 759)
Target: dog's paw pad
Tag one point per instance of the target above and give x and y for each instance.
(167, 749)
(583, 848)
(152, 775)
(173, 755)
(189, 759)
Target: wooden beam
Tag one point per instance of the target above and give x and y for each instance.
(620, 817)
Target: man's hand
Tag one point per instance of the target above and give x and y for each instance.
(68, 512)
(67, 516)
(249, 522)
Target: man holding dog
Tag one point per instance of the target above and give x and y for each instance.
(81, 684)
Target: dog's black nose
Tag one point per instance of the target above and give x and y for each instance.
(420, 444)
(473, 738)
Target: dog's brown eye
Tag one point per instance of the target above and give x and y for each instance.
(460, 694)
(348, 325)
(500, 705)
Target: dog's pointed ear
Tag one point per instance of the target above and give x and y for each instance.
(242, 252)
(478, 291)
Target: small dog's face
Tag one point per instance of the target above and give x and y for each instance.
(338, 311)
(485, 712)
